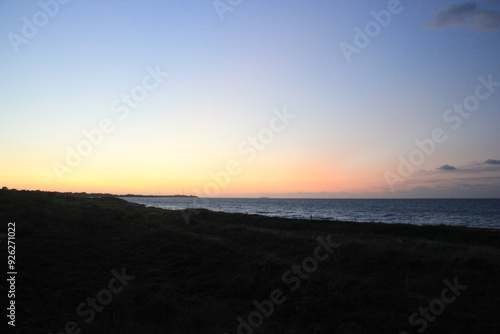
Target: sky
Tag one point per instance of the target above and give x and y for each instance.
(281, 98)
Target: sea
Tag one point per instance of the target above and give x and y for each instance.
(483, 213)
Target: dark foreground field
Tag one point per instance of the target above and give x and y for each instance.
(102, 265)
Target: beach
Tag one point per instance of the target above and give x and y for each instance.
(104, 265)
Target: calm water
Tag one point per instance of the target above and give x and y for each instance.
(460, 212)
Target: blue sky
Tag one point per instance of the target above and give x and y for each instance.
(353, 120)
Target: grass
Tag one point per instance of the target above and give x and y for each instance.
(199, 277)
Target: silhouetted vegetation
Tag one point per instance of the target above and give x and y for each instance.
(199, 277)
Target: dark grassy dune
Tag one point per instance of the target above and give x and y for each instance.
(199, 277)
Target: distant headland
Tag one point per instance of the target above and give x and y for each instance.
(85, 194)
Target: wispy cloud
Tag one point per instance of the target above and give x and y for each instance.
(492, 162)
(469, 15)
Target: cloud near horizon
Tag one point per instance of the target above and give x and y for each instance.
(476, 179)
(467, 15)
(446, 167)
(473, 180)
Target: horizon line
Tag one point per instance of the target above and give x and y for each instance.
(239, 197)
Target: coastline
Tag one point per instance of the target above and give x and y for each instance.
(200, 270)
(483, 213)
